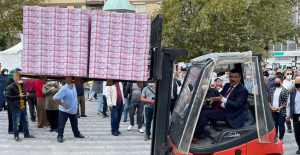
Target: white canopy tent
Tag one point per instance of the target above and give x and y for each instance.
(11, 58)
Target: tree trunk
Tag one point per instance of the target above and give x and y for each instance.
(8, 34)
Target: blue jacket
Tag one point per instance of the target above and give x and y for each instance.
(234, 108)
(271, 84)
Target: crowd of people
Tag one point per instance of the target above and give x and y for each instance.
(283, 90)
(52, 103)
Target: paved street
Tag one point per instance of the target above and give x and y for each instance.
(98, 139)
(289, 144)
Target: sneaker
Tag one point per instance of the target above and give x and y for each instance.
(99, 113)
(289, 130)
(130, 127)
(141, 130)
(83, 116)
(147, 137)
(125, 120)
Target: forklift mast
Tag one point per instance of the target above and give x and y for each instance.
(161, 72)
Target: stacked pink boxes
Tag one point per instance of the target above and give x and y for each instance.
(119, 46)
(55, 41)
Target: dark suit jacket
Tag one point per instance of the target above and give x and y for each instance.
(235, 104)
(175, 89)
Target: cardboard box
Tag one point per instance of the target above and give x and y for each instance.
(55, 41)
(119, 45)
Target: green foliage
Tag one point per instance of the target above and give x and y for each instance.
(11, 16)
(205, 26)
(3, 42)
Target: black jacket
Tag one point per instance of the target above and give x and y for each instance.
(8, 82)
(13, 95)
(80, 89)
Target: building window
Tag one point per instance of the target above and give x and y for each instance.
(277, 47)
(63, 7)
(284, 47)
(292, 46)
(139, 7)
(77, 7)
(159, 4)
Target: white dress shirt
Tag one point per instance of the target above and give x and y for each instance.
(224, 100)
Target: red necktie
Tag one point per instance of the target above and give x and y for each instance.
(220, 102)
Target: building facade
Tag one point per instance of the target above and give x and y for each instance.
(284, 54)
(140, 6)
(287, 54)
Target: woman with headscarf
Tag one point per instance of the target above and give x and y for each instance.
(49, 90)
(41, 104)
(3, 78)
(9, 81)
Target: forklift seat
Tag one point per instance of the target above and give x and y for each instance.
(222, 125)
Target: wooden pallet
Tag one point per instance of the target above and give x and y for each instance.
(75, 79)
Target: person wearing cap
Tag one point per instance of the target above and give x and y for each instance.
(218, 84)
(18, 70)
(9, 81)
(17, 95)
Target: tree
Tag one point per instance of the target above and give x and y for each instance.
(11, 16)
(3, 42)
(205, 26)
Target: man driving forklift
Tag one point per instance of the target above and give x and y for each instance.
(230, 107)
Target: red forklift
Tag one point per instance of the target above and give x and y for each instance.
(172, 134)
